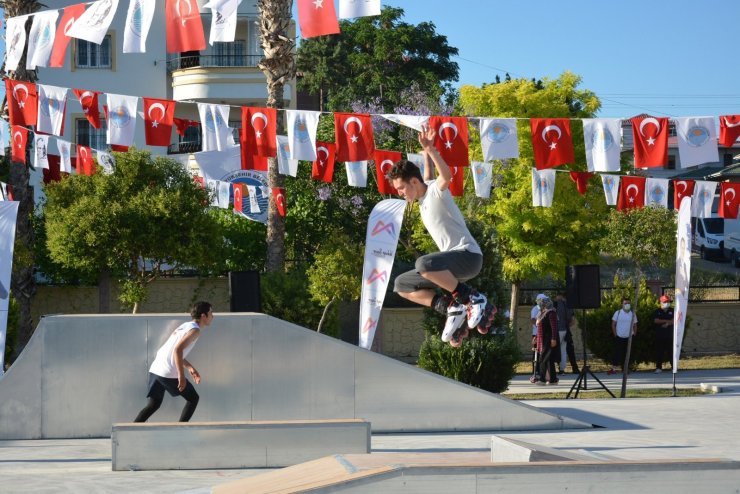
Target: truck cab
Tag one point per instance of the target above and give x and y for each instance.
(709, 237)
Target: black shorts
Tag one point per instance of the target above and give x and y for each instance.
(158, 385)
(462, 264)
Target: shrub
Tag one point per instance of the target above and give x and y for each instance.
(598, 323)
(486, 362)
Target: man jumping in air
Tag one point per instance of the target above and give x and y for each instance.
(460, 258)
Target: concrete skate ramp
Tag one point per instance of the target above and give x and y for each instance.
(80, 374)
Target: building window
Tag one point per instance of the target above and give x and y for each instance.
(230, 54)
(92, 56)
(192, 135)
(727, 159)
(671, 163)
(87, 135)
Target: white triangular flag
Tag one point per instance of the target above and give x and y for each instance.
(349, 9)
(41, 151)
(106, 161)
(254, 206)
(418, 160)
(219, 165)
(286, 166)
(223, 20)
(610, 183)
(214, 122)
(482, 174)
(356, 173)
(93, 24)
(412, 121)
(543, 187)
(138, 21)
(51, 109)
(41, 38)
(656, 192)
(302, 126)
(701, 201)
(65, 156)
(603, 138)
(121, 119)
(224, 191)
(498, 138)
(697, 140)
(15, 41)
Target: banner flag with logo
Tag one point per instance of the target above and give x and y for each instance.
(498, 138)
(610, 184)
(302, 127)
(286, 164)
(93, 24)
(482, 178)
(381, 241)
(656, 192)
(52, 101)
(8, 215)
(602, 137)
(121, 119)
(683, 278)
(138, 21)
(543, 187)
(697, 140)
(41, 39)
(702, 199)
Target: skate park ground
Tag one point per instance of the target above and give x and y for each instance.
(697, 427)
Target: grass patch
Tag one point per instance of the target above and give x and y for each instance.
(707, 362)
(600, 394)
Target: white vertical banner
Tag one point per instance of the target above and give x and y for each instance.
(138, 21)
(41, 38)
(214, 123)
(602, 137)
(610, 183)
(40, 151)
(286, 164)
(254, 206)
(121, 119)
(482, 174)
(349, 9)
(656, 192)
(15, 41)
(381, 241)
(356, 173)
(543, 187)
(8, 215)
(302, 128)
(702, 199)
(224, 191)
(683, 277)
(697, 140)
(418, 160)
(65, 155)
(223, 20)
(93, 24)
(498, 138)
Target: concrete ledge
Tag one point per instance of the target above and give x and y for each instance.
(505, 450)
(253, 444)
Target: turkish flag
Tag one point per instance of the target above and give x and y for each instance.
(18, 141)
(457, 185)
(552, 142)
(22, 102)
(249, 160)
(238, 198)
(323, 167)
(61, 40)
(317, 18)
(729, 130)
(184, 26)
(353, 136)
(200, 181)
(631, 193)
(384, 161)
(159, 115)
(259, 127)
(650, 136)
(581, 179)
(182, 123)
(89, 102)
(681, 189)
(85, 164)
(729, 194)
(451, 139)
(279, 194)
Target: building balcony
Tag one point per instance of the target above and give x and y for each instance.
(226, 79)
(185, 147)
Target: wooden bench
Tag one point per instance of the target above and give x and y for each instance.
(249, 444)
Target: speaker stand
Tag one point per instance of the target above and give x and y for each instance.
(582, 380)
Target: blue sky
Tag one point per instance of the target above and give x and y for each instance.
(664, 57)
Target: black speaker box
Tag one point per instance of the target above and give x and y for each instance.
(244, 291)
(582, 286)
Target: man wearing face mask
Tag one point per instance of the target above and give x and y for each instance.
(623, 321)
(663, 320)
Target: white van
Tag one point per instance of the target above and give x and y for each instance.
(709, 237)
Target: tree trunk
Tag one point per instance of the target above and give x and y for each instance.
(635, 300)
(22, 283)
(279, 68)
(323, 315)
(513, 305)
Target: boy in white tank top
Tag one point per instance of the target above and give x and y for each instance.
(167, 372)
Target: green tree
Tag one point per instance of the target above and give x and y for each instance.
(647, 238)
(538, 241)
(376, 57)
(132, 224)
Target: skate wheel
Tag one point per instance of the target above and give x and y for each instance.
(483, 329)
(456, 343)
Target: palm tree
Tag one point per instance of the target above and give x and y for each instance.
(278, 65)
(22, 283)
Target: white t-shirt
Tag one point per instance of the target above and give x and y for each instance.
(534, 315)
(164, 362)
(444, 221)
(623, 320)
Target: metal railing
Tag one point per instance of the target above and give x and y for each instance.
(192, 61)
(697, 293)
(185, 147)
